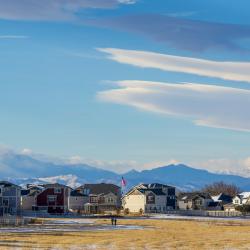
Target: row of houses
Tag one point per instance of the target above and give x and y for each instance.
(159, 198)
(107, 198)
(59, 199)
(204, 201)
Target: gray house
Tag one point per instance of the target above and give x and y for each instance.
(10, 198)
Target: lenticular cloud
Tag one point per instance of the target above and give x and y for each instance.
(205, 105)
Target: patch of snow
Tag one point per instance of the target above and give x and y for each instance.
(69, 180)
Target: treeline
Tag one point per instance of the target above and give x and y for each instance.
(221, 187)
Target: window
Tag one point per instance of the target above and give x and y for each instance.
(110, 200)
(93, 199)
(57, 190)
(5, 202)
(51, 198)
(0, 190)
(198, 202)
(86, 191)
(150, 199)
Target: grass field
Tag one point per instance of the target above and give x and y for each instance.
(157, 234)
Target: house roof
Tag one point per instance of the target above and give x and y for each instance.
(30, 192)
(238, 196)
(213, 204)
(244, 195)
(8, 184)
(153, 190)
(25, 192)
(222, 198)
(193, 195)
(101, 188)
(76, 193)
(154, 185)
(52, 185)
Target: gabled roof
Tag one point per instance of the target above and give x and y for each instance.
(222, 198)
(193, 195)
(76, 193)
(238, 196)
(30, 192)
(153, 190)
(213, 204)
(34, 192)
(101, 188)
(245, 195)
(8, 184)
(54, 185)
(154, 185)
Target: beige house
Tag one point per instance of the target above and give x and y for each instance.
(29, 195)
(102, 203)
(146, 198)
(103, 197)
(229, 207)
(28, 201)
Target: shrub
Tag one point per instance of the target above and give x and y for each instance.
(126, 211)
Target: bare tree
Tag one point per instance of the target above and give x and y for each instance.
(221, 187)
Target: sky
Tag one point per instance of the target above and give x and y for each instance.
(127, 84)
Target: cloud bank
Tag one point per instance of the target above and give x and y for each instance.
(235, 71)
(205, 105)
(182, 33)
(51, 9)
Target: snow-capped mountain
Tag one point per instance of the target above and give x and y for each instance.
(22, 169)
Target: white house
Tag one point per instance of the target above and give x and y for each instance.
(241, 198)
(147, 198)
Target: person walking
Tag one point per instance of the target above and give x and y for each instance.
(115, 221)
(112, 220)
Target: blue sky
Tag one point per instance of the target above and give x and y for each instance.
(78, 79)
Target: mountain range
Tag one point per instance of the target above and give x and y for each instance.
(22, 169)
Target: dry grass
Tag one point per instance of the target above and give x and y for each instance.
(159, 234)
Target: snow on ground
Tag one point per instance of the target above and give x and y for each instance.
(66, 225)
(70, 221)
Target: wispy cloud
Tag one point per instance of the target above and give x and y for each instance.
(51, 9)
(225, 165)
(235, 71)
(205, 105)
(7, 37)
(182, 33)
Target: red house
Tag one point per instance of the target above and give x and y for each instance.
(54, 199)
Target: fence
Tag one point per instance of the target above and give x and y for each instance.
(13, 221)
(44, 214)
(205, 213)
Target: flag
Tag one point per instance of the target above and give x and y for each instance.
(124, 183)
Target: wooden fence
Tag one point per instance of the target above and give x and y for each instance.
(13, 221)
(205, 213)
